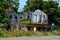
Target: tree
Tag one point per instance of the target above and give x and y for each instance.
(12, 3)
(58, 15)
(33, 4)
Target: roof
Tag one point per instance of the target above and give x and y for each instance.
(9, 9)
(39, 12)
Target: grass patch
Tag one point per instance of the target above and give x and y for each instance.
(5, 33)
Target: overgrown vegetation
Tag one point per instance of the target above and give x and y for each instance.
(18, 33)
(25, 20)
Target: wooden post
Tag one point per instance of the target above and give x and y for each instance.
(41, 30)
(51, 28)
(46, 28)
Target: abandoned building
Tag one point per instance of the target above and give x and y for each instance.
(39, 21)
(38, 18)
(13, 19)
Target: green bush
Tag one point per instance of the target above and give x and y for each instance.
(57, 27)
(1, 25)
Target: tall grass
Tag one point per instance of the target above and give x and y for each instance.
(18, 33)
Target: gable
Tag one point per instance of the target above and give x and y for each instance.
(38, 12)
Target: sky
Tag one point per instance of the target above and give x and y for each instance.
(23, 2)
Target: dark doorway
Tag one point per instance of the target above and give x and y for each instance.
(30, 28)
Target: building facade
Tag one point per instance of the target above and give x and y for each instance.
(37, 16)
(13, 19)
(38, 20)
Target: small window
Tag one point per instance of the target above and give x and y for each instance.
(28, 16)
(15, 17)
(44, 15)
(10, 16)
(40, 17)
(20, 17)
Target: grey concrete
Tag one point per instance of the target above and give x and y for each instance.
(33, 38)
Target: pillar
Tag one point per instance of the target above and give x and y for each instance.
(34, 29)
(42, 19)
(46, 28)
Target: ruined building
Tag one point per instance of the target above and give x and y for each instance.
(13, 19)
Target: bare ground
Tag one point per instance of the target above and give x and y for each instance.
(33, 38)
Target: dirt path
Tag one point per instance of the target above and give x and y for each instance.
(33, 38)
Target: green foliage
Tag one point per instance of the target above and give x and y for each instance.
(40, 4)
(12, 3)
(57, 27)
(17, 33)
(58, 20)
(58, 14)
(22, 12)
(33, 4)
(24, 20)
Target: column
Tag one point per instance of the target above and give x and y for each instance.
(42, 19)
(34, 29)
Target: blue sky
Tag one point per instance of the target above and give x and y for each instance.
(22, 3)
